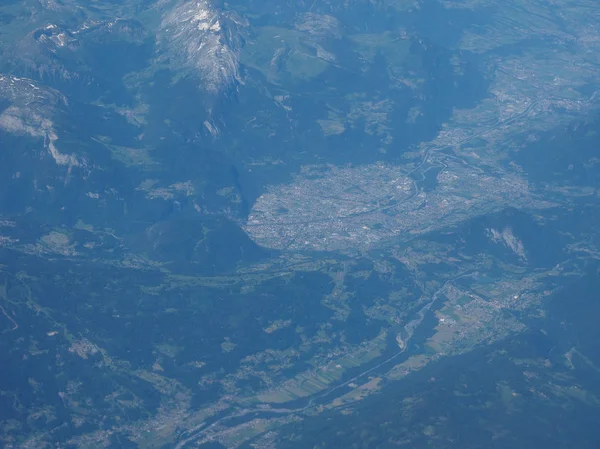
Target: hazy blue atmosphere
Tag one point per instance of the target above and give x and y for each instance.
(308, 224)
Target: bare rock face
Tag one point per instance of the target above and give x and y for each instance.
(23, 91)
(30, 113)
(197, 36)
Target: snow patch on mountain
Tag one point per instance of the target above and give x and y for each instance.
(200, 37)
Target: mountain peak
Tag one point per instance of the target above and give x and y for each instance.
(200, 37)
